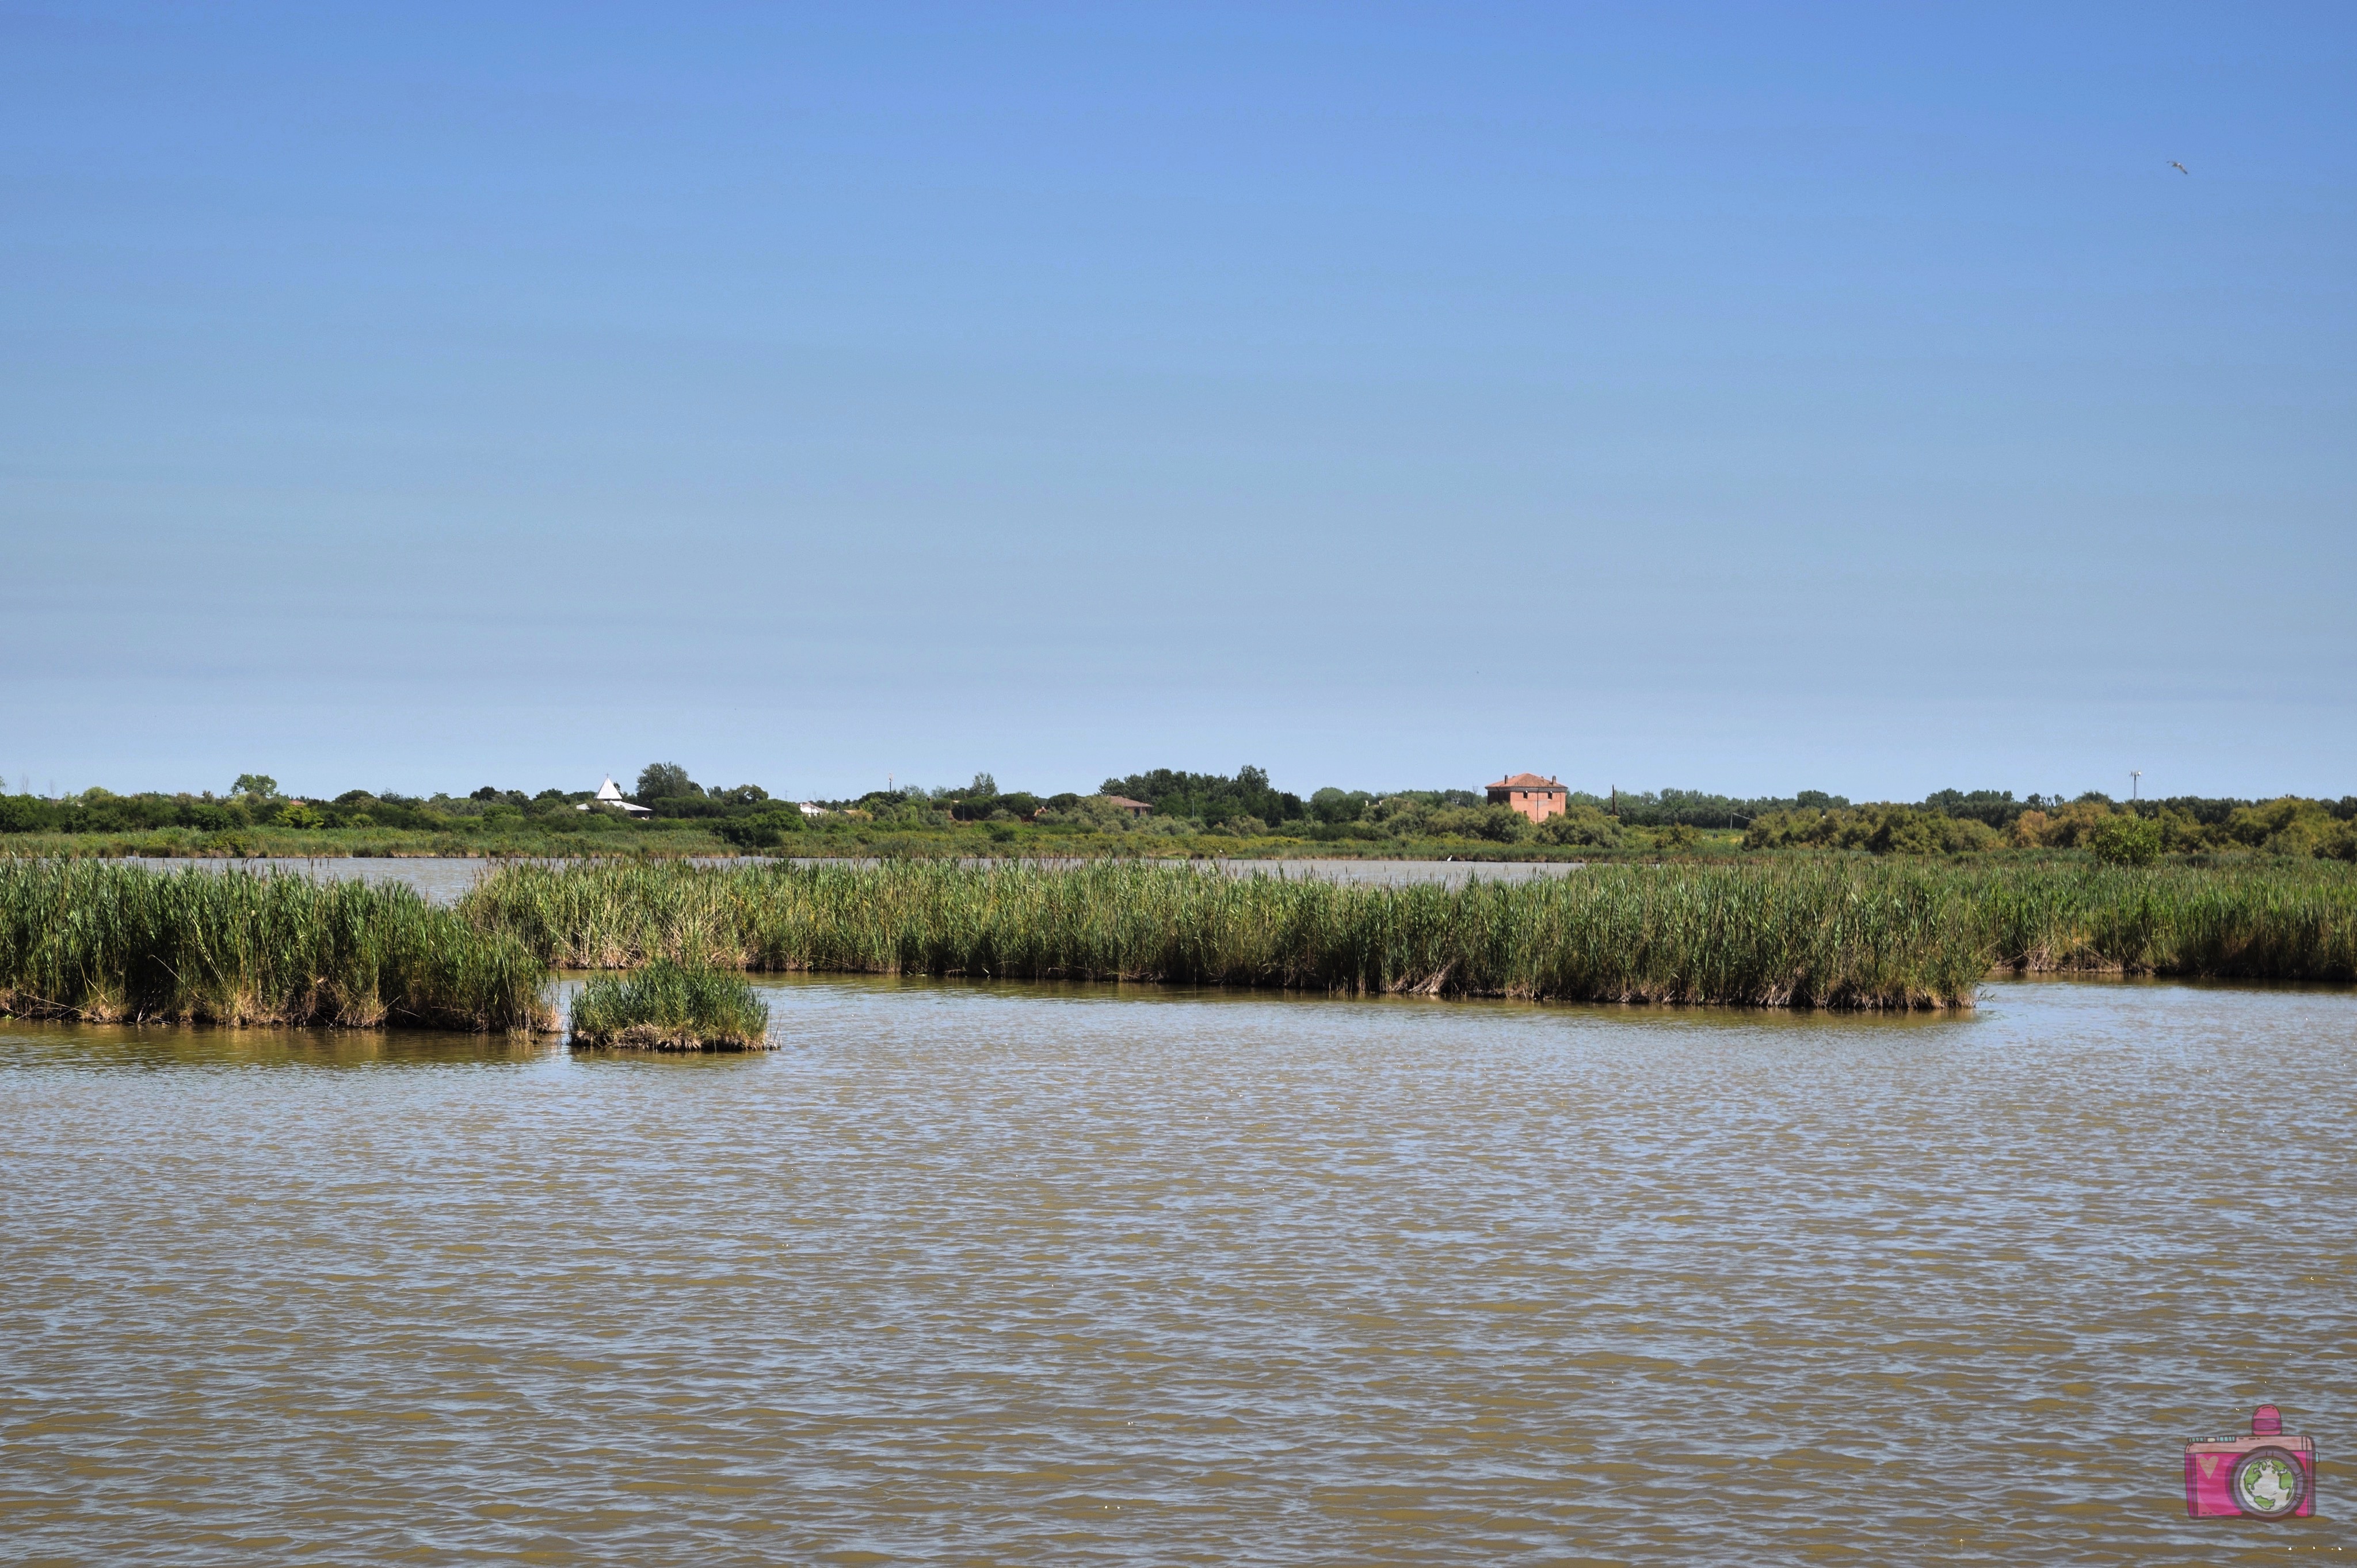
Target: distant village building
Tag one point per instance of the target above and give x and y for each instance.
(1135, 808)
(813, 810)
(1535, 797)
(610, 794)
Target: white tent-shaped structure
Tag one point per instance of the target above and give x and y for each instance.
(610, 794)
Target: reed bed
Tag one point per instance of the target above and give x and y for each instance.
(104, 944)
(1819, 933)
(671, 1007)
(99, 941)
(2296, 920)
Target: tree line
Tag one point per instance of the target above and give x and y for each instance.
(1246, 803)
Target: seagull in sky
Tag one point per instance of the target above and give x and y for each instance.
(2180, 167)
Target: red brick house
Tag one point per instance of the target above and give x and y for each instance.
(1535, 797)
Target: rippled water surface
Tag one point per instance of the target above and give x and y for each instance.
(1039, 1275)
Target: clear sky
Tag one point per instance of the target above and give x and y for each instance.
(1733, 397)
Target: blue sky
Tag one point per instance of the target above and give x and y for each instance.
(1729, 397)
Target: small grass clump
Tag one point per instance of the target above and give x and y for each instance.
(668, 1006)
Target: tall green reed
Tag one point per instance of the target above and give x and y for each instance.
(1820, 933)
(106, 942)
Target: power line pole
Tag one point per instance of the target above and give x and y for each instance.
(2136, 780)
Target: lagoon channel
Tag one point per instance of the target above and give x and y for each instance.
(444, 879)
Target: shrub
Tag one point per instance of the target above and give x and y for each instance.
(2126, 841)
(2286, 826)
(26, 814)
(2066, 827)
(1498, 825)
(1878, 829)
(763, 830)
(1580, 825)
(1090, 814)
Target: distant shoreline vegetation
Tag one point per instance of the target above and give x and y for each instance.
(1164, 812)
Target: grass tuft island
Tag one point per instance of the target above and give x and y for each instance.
(671, 1007)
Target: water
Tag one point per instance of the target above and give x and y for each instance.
(444, 879)
(977, 1274)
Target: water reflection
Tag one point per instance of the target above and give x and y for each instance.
(186, 1047)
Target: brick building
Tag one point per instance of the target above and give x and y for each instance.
(1535, 797)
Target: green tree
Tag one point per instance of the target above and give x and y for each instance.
(255, 786)
(1210, 797)
(664, 781)
(1339, 806)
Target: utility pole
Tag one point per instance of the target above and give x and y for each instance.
(2135, 780)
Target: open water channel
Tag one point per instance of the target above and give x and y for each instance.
(982, 1273)
(444, 879)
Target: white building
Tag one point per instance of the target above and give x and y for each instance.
(610, 794)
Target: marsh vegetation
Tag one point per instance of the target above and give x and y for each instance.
(669, 1006)
(100, 941)
(1823, 931)
(103, 943)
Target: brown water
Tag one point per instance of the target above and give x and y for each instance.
(1028, 1274)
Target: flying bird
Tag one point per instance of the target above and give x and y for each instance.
(2180, 167)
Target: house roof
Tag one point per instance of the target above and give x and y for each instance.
(1126, 804)
(1527, 781)
(610, 794)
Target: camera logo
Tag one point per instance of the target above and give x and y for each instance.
(2264, 1476)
